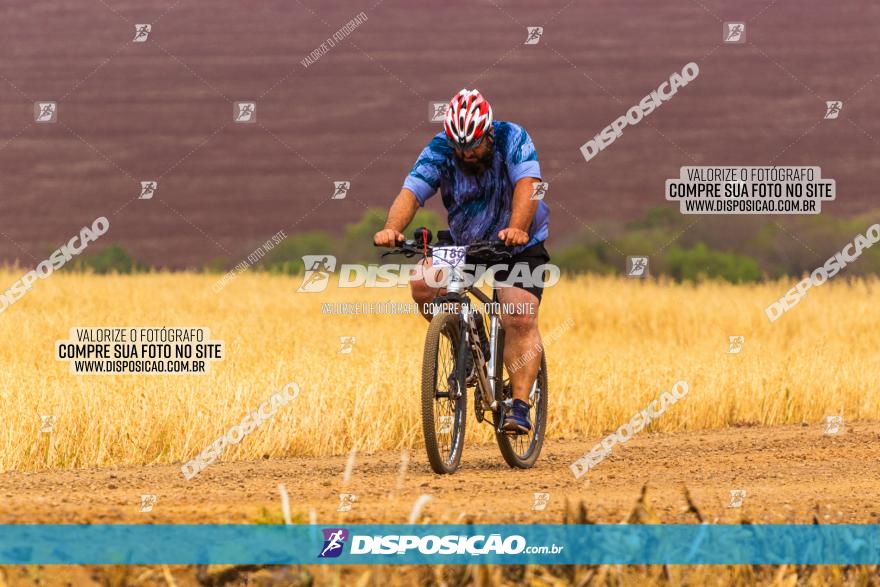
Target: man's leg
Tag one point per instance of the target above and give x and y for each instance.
(522, 341)
(422, 290)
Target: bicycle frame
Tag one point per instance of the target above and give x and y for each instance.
(454, 318)
(489, 369)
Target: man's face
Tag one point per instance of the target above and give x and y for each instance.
(477, 160)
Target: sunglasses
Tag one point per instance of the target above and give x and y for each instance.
(459, 148)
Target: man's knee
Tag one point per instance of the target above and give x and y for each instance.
(519, 321)
(421, 292)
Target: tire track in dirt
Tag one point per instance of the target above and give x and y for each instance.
(789, 474)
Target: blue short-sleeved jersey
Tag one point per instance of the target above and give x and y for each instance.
(479, 206)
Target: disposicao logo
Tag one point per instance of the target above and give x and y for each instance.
(334, 541)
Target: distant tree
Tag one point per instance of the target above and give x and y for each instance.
(111, 259)
(217, 265)
(358, 241)
(701, 263)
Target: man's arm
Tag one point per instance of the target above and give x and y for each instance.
(401, 213)
(523, 210)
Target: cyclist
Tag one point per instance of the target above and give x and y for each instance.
(485, 171)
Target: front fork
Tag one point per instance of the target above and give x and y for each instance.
(473, 344)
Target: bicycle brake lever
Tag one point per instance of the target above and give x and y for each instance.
(405, 252)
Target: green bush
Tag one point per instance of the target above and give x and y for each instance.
(581, 259)
(665, 217)
(112, 259)
(700, 263)
(358, 241)
(217, 265)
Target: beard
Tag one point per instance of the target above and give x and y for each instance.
(477, 167)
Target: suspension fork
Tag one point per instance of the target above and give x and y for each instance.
(456, 285)
(474, 346)
(461, 359)
(471, 342)
(495, 362)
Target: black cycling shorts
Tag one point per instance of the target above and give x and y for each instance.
(532, 256)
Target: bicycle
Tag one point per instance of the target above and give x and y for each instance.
(447, 362)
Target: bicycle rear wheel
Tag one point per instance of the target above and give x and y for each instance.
(522, 450)
(444, 398)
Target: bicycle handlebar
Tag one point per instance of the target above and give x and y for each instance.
(410, 248)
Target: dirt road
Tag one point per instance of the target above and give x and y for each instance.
(789, 474)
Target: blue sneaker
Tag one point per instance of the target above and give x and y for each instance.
(517, 420)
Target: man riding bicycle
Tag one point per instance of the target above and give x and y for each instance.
(485, 171)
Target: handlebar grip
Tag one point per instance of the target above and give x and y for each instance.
(396, 244)
(399, 244)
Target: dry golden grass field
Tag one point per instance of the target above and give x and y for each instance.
(629, 341)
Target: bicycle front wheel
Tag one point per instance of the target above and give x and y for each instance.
(444, 401)
(521, 451)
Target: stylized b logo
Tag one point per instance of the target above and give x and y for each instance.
(437, 111)
(141, 33)
(340, 189)
(737, 497)
(637, 267)
(245, 112)
(318, 269)
(833, 425)
(832, 109)
(148, 500)
(148, 189)
(735, 344)
(346, 344)
(47, 423)
(541, 501)
(734, 32)
(534, 35)
(334, 541)
(45, 111)
(539, 190)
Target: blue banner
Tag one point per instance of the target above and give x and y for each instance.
(439, 544)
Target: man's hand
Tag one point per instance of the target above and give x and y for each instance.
(400, 214)
(388, 237)
(513, 237)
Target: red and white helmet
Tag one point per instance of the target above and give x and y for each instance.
(468, 119)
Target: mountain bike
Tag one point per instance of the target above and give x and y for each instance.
(460, 354)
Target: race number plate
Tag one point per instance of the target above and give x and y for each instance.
(448, 256)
